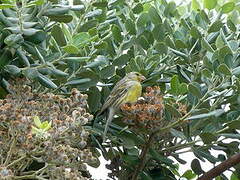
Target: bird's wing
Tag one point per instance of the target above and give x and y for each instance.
(117, 94)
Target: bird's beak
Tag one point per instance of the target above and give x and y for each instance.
(142, 78)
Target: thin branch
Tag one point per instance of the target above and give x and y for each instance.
(16, 161)
(143, 156)
(180, 146)
(219, 169)
(9, 155)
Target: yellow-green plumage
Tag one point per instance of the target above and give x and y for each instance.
(133, 93)
(127, 90)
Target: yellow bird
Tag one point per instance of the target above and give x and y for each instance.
(127, 90)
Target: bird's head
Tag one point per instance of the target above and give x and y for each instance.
(136, 76)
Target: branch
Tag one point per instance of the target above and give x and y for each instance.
(219, 169)
(143, 156)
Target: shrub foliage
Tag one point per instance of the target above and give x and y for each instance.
(189, 50)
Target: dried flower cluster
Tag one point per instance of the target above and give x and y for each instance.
(60, 151)
(147, 112)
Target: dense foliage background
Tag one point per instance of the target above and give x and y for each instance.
(190, 50)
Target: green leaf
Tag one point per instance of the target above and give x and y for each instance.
(13, 40)
(58, 72)
(206, 45)
(222, 68)
(177, 133)
(57, 11)
(30, 73)
(145, 176)
(121, 60)
(45, 81)
(46, 125)
(81, 39)
(58, 35)
(180, 44)
(77, 59)
(185, 24)
(23, 58)
(224, 51)
(207, 73)
(195, 32)
(179, 53)
(227, 7)
(107, 72)
(94, 13)
(205, 154)
(169, 42)
(62, 19)
(39, 55)
(161, 47)
(34, 3)
(37, 121)
(210, 4)
(100, 60)
(130, 26)
(6, 6)
(159, 32)
(138, 8)
(154, 16)
(71, 49)
(36, 130)
(37, 38)
(234, 177)
(94, 98)
(116, 32)
(196, 167)
(128, 142)
(195, 5)
(183, 89)
(142, 20)
(189, 174)
(12, 69)
(174, 83)
(172, 110)
(78, 81)
(208, 138)
(215, 113)
(231, 25)
(236, 71)
(100, 4)
(215, 27)
(194, 90)
(142, 40)
(160, 157)
(230, 135)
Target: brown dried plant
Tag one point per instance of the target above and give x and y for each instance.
(56, 152)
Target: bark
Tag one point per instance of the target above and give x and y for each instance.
(219, 169)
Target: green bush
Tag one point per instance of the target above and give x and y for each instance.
(191, 51)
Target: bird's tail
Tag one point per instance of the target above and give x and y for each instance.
(109, 120)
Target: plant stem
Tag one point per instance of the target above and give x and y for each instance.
(10, 152)
(219, 169)
(143, 156)
(16, 161)
(180, 146)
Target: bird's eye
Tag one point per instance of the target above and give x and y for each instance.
(137, 74)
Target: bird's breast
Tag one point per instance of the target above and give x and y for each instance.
(134, 93)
